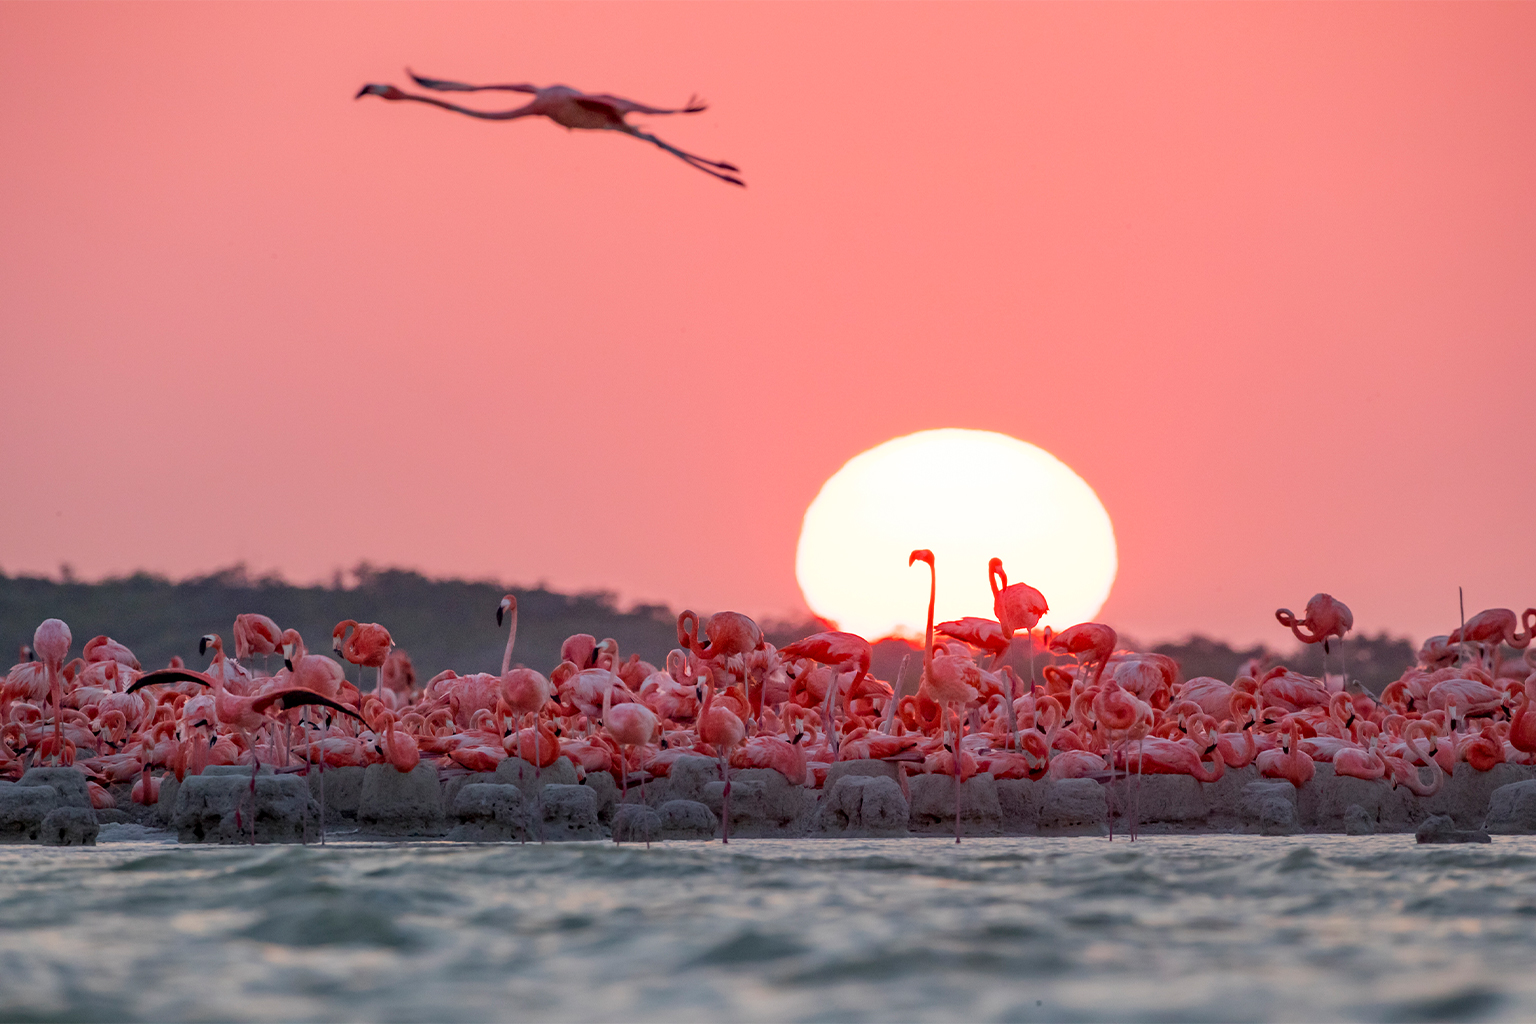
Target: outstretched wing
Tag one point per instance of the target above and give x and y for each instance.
(444, 85)
(298, 696)
(170, 675)
(624, 106)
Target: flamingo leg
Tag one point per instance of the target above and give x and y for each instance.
(707, 166)
(327, 720)
(959, 733)
(725, 799)
(538, 790)
(255, 768)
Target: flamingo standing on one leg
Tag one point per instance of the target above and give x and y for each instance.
(52, 641)
(369, 644)
(631, 725)
(1017, 606)
(722, 729)
(256, 634)
(951, 680)
(567, 107)
(1324, 617)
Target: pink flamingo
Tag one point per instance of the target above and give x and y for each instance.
(720, 727)
(256, 634)
(952, 681)
(104, 648)
(567, 107)
(728, 633)
(631, 725)
(369, 644)
(1092, 642)
(52, 641)
(1287, 761)
(1017, 607)
(1494, 627)
(1325, 617)
(842, 652)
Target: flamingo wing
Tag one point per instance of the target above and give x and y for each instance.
(624, 106)
(298, 696)
(170, 675)
(444, 85)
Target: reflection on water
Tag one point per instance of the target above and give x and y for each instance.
(1188, 927)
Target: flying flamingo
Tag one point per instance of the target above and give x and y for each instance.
(567, 107)
(52, 641)
(369, 644)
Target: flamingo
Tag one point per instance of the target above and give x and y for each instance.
(1017, 607)
(1288, 761)
(369, 644)
(567, 107)
(951, 681)
(631, 725)
(1497, 626)
(1092, 642)
(728, 633)
(52, 641)
(104, 648)
(256, 634)
(722, 729)
(1325, 617)
(842, 652)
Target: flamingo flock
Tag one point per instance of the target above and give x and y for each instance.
(727, 693)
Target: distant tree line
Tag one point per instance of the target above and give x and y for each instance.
(452, 623)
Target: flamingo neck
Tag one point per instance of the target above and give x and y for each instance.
(506, 656)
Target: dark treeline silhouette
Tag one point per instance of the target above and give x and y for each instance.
(452, 623)
(440, 623)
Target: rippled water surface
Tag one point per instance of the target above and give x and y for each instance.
(1208, 927)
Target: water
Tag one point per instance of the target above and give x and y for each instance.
(1186, 928)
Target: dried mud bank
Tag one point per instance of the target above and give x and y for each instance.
(860, 798)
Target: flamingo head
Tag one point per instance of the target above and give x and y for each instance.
(387, 92)
(210, 640)
(508, 606)
(921, 555)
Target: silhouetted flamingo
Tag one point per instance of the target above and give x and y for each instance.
(567, 107)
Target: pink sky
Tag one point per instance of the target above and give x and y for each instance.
(1263, 274)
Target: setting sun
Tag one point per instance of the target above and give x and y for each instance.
(968, 495)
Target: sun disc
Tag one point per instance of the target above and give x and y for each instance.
(967, 495)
